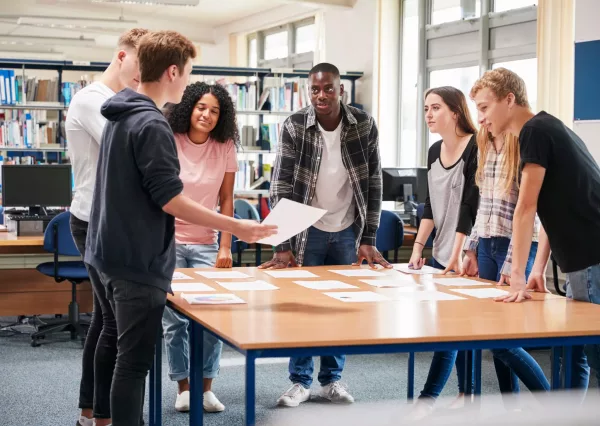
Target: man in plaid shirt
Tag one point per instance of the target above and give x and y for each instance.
(328, 157)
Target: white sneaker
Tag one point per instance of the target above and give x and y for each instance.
(294, 396)
(182, 404)
(84, 421)
(337, 393)
(211, 403)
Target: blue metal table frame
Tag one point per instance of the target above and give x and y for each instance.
(474, 348)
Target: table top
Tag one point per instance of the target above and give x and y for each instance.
(10, 239)
(294, 316)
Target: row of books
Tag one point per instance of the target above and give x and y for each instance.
(27, 129)
(17, 89)
(247, 175)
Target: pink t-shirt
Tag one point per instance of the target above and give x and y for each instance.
(203, 169)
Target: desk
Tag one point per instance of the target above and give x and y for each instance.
(11, 244)
(268, 326)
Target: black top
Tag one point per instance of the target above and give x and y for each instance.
(130, 237)
(569, 200)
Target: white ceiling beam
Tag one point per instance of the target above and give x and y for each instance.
(346, 4)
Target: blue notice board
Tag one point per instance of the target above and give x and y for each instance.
(587, 80)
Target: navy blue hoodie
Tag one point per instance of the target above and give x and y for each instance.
(130, 237)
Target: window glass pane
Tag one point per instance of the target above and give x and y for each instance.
(410, 73)
(454, 10)
(276, 45)
(502, 5)
(305, 38)
(527, 70)
(252, 54)
(461, 78)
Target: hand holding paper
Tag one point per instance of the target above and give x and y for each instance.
(291, 218)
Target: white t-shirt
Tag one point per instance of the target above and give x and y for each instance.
(333, 191)
(84, 125)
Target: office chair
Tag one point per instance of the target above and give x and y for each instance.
(237, 246)
(390, 234)
(245, 210)
(59, 241)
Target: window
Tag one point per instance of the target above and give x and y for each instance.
(504, 5)
(527, 70)
(461, 78)
(305, 38)
(276, 45)
(252, 53)
(454, 10)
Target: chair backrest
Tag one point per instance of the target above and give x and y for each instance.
(245, 210)
(58, 238)
(390, 233)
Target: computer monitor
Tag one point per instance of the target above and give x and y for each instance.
(405, 184)
(36, 186)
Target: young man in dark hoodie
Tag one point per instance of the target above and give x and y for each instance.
(137, 195)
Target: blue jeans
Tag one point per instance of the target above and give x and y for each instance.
(584, 285)
(175, 326)
(324, 248)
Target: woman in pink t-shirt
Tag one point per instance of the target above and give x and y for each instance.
(206, 135)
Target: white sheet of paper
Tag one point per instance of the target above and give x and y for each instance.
(358, 272)
(180, 276)
(291, 218)
(212, 299)
(403, 267)
(421, 296)
(191, 287)
(291, 273)
(357, 296)
(247, 285)
(215, 275)
(459, 282)
(391, 283)
(325, 285)
(481, 293)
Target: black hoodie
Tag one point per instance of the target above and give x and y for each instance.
(130, 237)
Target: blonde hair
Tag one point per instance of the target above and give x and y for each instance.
(501, 82)
(131, 38)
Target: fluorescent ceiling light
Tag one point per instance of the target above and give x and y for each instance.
(76, 23)
(47, 41)
(153, 2)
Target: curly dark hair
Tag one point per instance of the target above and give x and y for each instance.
(179, 115)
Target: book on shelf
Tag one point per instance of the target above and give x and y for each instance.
(247, 175)
(27, 129)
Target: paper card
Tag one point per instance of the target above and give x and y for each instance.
(482, 293)
(358, 272)
(180, 276)
(216, 275)
(291, 219)
(391, 283)
(191, 287)
(403, 267)
(212, 299)
(291, 273)
(422, 296)
(459, 282)
(325, 285)
(357, 296)
(247, 285)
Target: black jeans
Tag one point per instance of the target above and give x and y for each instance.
(98, 358)
(138, 310)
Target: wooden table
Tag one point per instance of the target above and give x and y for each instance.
(11, 244)
(296, 321)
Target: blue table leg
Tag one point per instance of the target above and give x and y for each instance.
(196, 374)
(478, 372)
(410, 393)
(250, 388)
(567, 366)
(469, 360)
(258, 247)
(555, 368)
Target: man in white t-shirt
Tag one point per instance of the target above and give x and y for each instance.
(328, 157)
(84, 126)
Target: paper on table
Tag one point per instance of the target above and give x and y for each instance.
(403, 267)
(291, 273)
(464, 282)
(391, 283)
(215, 275)
(212, 299)
(324, 285)
(191, 287)
(357, 296)
(418, 295)
(180, 276)
(481, 293)
(359, 272)
(247, 285)
(291, 218)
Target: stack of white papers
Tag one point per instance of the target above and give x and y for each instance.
(191, 287)
(459, 282)
(216, 275)
(291, 273)
(482, 293)
(403, 267)
(357, 296)
(324, 285)
(247, 285)
(391, 283)
(358, 272)
(180, 276)
(212, 299)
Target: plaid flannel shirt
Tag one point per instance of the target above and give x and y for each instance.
(496, 209)
(297, 166)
